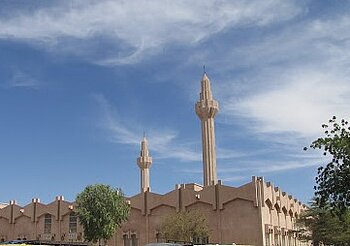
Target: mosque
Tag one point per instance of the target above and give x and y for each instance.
(257, 213)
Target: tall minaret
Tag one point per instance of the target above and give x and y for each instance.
(206, 109)
(144, 162)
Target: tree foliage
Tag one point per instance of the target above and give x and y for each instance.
(333, 181)
(186, 226)
(101, 209)
(319, 225)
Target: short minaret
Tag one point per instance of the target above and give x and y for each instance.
(144, 162)
(206, 109)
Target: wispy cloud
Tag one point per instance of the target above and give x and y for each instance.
(284, 166)
(300, 105)
(22, 79)
(138, 28)
(120, 133)
(261, 166)
(162, 142)
(289, 162)
(299, 79)
(223, 153)
(233, 178)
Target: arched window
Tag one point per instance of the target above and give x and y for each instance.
(125, 240)
(158, 237)
(277, 207)
(47, 223)
(134, 240)
(73, 222)
(284, 210)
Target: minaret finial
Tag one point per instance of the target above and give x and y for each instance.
(204, 69)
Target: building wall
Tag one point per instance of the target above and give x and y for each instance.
(256, 213)
(279, 212)
(27, 222)
(248, 214)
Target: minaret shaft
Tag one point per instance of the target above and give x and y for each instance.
(206, 109)
(145, 184)
(208, 151)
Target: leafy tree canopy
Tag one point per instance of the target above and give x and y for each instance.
(333, 181)
(319, 225)
(101, 209)
(186, 226)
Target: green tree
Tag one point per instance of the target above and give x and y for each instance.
(186, 226)
(333, 181)
(319, 225)
(101, 209)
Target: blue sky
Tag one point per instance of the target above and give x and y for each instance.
(80, 81)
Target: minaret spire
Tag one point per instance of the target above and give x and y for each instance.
(206, 109)
(144, 161)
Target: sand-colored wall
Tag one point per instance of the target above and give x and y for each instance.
(248, 214)
(27, 222)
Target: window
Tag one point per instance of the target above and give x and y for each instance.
(200, 240)
(133, 240)
(73, 219)
(205, 240)
(267, 238)
(47, 223)
(158, 237)
(125, 240)
(276, 239)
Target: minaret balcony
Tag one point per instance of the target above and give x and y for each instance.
(144, 161)
(207, 108)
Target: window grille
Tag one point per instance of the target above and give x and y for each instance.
(73, 219)
(47, 223)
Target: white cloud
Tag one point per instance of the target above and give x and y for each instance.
(260, 167)
(22, 79)
(268, 166)
(223, 153)
(300, 79)
(119, 133)
(300, 105)
(162, 142)
(233, 178)
(138, 28)
(284, 166)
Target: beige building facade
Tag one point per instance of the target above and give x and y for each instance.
(256, 213)
(55, 221)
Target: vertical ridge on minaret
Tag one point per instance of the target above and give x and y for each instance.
(206, 109)
(144, 161)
